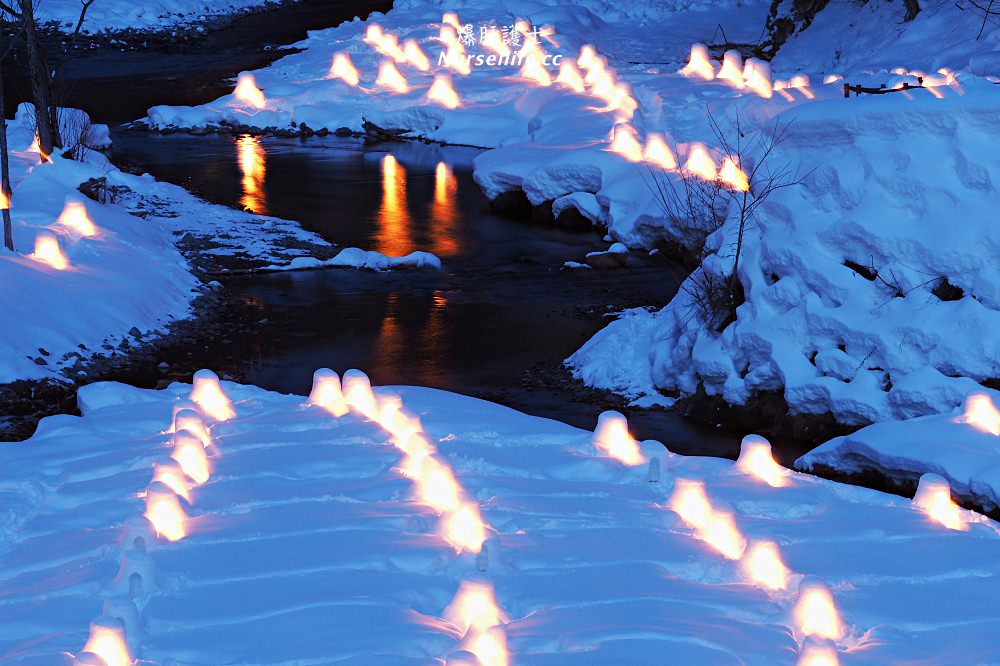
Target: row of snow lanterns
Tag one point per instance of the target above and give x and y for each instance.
(753, 75)
(75, 223)
(814, 613)
(474, 610)
(172, 481)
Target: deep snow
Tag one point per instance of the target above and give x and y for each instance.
(308, 544)
(149, 15)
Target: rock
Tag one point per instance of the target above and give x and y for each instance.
(163, 366)
(41, 361)
(135, 333)
(43, 352)
(343, 131)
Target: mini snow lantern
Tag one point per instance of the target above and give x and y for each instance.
(611, 436)
(756, 460)
(933, 497)
(207, 392)
(326, 392)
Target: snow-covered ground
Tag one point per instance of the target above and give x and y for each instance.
(149, 15)
(963, 447)
(863, 297)
(444, 529)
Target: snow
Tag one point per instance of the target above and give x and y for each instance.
(150, 15)
(307, 544)
(353, 257)
(967, 456)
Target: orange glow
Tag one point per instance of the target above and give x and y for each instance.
(455, 58)
(534, 70)
(451, 18)
(390, 77)
(444, 212)
(721, 533)
(699, 64)
(436, 486)
(326, 392)
(762, 564)
(757, 77)
(832, 78)
(658, 152)
(597, 71)
(442, 92)
(815, 613)
(817, 655)
(464, 529)
(490, 647)
(690, 502)
(587, 57)
(253, 166)
(625, 143)
(570, 77)
(474, 608)
(700, 163)
(393, 237)
(343, 69)
(415, 55)
(933, 497)
(190, 420)
(494, 42)
(546, 32)
(164, 511)
(781, 87)
(612, 437)
(801, 83)
(74, 216)
(733, 176)
(756, 459)
(189, 453)
(247, 91)
(4, 201)
(732, 69)
(35, 147)
(173, 478)
(359, 395)
(47, 251)
(108, 642)
(448, 36)
(390, 47)
(982, 414)
(207, 392)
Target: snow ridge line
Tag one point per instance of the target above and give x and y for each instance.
(116, 633)
(810, 611)
(473, 610)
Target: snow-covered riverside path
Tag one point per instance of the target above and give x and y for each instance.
(322, 535)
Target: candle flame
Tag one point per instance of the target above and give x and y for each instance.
(570, 77)
(326, 392)
(658, 152)
(612, 437)
(933, 497)
(47, 251)
(4, 201)
(189, 453)
(815, 613)
(164, 511)
(343, 69)
(442, 92)
(762, 564)
(207, 392)
(981, 414)
(74, 216)
(699, 64)
(108, 643)
(756, 459)
(390, 77)
(36, 147)
(700, 163)
(247, 91)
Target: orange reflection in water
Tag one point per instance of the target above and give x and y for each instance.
(444, 212)
(254, 168)
(393, 236)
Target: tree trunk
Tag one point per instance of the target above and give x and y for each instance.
(8, 227)
(41, 92)
(912, 9)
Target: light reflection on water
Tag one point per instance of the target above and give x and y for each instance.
(253, 165)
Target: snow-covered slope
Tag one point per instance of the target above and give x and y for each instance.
(149, 15)
(314, 538)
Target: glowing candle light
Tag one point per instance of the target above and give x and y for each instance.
(464, 529)
(448, 36)
(815, 613)
(781, 87)
(437, 487)
(658, 152)
(981, 414)
(612, 437)
(818, 654)
(416, 444)
(390, 77)
(597, 72)
(192, 421)
(189, 453)
(74, 216)
(373, 34)
(762, 564)
(47, 251)
(247, 91)
(107, 641)
(494, 42)
(534, 70)
(733, 176)
(588, 55)
(164, 511)
(174, 478)
(700, 163)
(4, 201)
(456, 58)
(625, 144)
(358, 390)
(832, 78)
(451, 18)
(699, 64)
(415, 55)
(326, 392)
(756, 460)
(570, 77)
(207, 392)
(253, 165)
(442, 92)
(801, 83)
(933, 497)
(757, 77)
(343, 69)
(474, 608)
(721, 533)
(690, 502)
(732, 69)
(490, 647)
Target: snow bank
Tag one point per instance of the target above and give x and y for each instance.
(353, 257)
(150, 15)
(310, 522)
(84, 274)
(966, 454)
